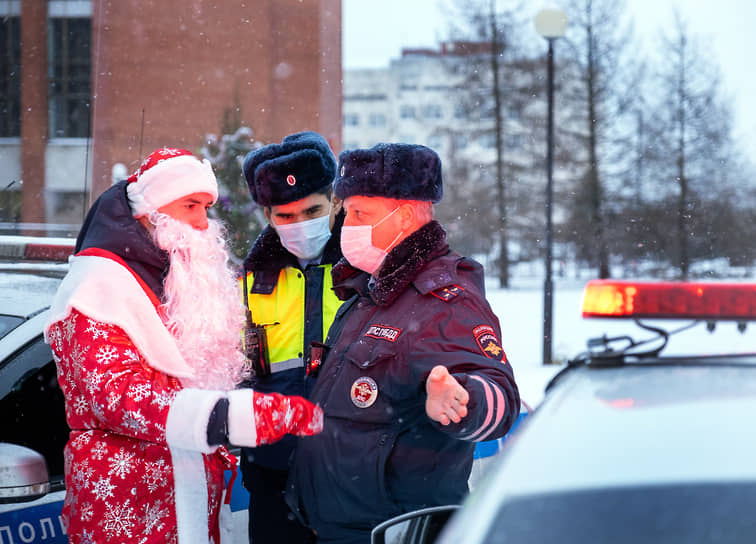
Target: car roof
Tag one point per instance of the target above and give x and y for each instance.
(659, 421)
(26, 293)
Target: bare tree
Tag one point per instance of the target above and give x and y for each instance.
(492, 84)
(692, 144)
(598, 100)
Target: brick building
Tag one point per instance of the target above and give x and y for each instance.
(89, 84)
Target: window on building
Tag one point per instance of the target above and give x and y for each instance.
(351, 119)
(460, 141)
(488, 140)
(69, 59)
(10, 76)
(434, 141)
(514, 141)
(432, 111)
(377, 120)
(407, 112)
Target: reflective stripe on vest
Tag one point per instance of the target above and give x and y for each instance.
(282, 312)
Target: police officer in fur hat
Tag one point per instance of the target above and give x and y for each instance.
(288, 291)
(415, 373)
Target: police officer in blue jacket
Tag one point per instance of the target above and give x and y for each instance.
(414, 373)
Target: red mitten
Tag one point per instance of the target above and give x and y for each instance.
(277, 415)
(263, 418)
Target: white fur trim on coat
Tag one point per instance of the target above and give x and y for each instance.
(190, 484)
(241, 418)
(106, 291)
(188, 416)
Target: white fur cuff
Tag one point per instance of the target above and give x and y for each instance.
(188, 416)
(241, 418)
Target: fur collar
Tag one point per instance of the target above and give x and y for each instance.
(399, 269)
(269, 254)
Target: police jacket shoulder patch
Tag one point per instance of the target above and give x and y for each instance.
(485, 336)
(448, 293)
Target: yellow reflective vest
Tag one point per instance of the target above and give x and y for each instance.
(298, 310)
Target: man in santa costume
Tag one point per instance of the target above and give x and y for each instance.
(145, 330)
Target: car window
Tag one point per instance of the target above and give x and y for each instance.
(692, 513)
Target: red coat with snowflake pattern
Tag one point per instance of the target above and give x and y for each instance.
(119, 473)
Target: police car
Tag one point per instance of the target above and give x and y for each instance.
(636, 440)
(33, 429)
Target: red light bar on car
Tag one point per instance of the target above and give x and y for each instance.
(670, 300)
(27, 248)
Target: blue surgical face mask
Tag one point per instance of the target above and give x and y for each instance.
(306, 239)
(357, 246)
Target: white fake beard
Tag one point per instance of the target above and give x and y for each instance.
(202, 301)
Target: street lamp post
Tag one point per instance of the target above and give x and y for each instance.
(551, 24)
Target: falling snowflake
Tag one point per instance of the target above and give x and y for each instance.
(121, 464)
(119, 519)
(103, 488)
(139, 391)
(106, 354)
(95, 330)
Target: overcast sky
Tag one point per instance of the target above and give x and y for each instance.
(375, 32)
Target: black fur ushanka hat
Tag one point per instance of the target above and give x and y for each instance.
(278, 174)
(400, 171)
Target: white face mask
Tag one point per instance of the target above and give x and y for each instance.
(306, 239)
(357, 246)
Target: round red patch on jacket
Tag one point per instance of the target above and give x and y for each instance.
(364, 392)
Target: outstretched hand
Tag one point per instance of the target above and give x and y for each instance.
(447, 399)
